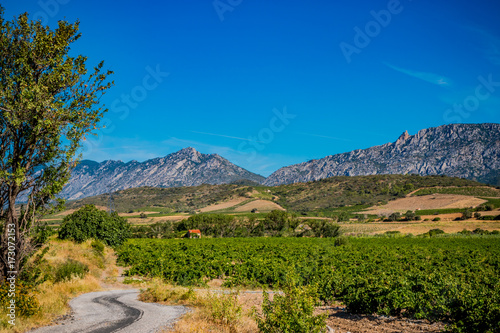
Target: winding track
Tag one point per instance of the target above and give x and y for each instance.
(115, 311)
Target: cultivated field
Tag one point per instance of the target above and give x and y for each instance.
(433, 201)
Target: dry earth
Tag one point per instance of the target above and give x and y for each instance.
(341, 321)
(223, 205)
(433, 201)
(260, 205)
(417, 228)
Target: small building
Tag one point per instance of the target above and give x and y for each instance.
(196, 233)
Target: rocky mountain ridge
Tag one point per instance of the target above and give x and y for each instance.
(186, 167)
(469, 151)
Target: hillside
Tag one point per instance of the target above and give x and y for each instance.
(470, 151)
(326, 194)
(342, 191)
(186, 167)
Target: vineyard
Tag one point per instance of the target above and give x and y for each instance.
(450, 279)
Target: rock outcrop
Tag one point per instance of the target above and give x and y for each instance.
(469, 151)
(186, 167)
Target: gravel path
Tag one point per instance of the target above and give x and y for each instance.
(115, 311)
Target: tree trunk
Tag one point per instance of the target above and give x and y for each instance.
(11, 240)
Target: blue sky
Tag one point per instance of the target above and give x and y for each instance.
(268, 84)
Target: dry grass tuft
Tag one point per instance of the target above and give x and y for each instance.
(53, 297)
(211, 312)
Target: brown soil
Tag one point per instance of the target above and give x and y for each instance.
(151, 220)
(417, 228)
(223, 205)
(433, 201)
(260, 205)
(341, 321)
(135, 213)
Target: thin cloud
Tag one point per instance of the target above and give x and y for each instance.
(428, 77)
(324, 136)
(225, 136)
(491, 45)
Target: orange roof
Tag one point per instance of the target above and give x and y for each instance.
(196, 231)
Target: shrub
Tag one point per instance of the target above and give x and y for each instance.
(291, 312)
(70, 268)
(394, 217)
(26, 302)
(410, 215)
(98, 247)
(224, 309)
(434, 232)
(436, 219)
(143, 215)
(161, 292)
(467, 214)
(90, 222)
(477, 215)
(339, 241)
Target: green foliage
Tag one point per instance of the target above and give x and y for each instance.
(26, 302)
(49, 102)
(291, 312)
(275, 223)
(224, 309)
(278, 222)
(467, 214)
(323, 228)
(341, 191)
(165, 200)
(477, 191)
(394, 217)
(90, 222)
(436, 219)
(38, 271)
(410, 216)
(69, 269)
(433, 232)
(98, 247)
(454, 279)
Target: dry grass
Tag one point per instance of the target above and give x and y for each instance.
(223, 205)
(417, 228)
(54, 297)
(260, 205)
(432, 201)
(210, 311)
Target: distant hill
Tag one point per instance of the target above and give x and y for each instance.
(186, 167)
(470, 151)
(327, 194)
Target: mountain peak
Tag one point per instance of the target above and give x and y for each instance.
(188, 150)
(402, 138)
(469, 151)
(186, 167)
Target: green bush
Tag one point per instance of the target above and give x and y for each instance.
(98, 247)
(436, 219)
(339, 241)
(90, 222)
(291, 312)
(69, 269)
(394, 217)
(434, 232)
(224, 309)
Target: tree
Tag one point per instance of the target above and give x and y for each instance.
(49, 102)
(394, 217)
(90, 222)
(467, 214)
(410, 215)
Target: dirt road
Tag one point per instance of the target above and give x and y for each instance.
(115, 311)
